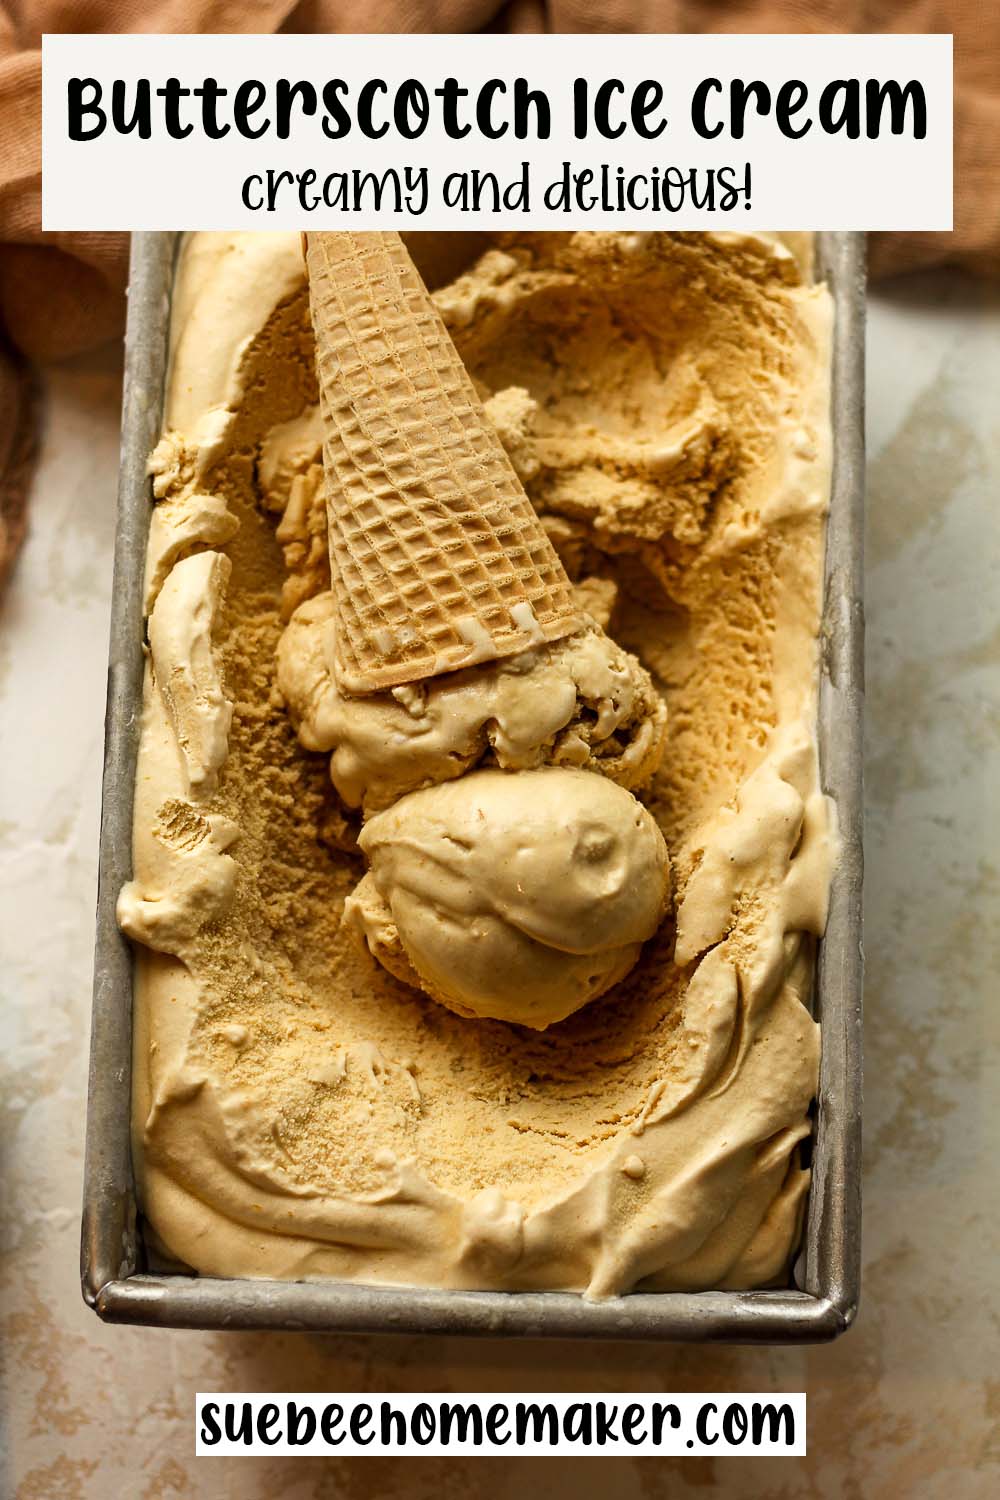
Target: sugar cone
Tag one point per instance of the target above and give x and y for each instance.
(438, 559)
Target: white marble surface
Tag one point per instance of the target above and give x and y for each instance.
(907, 1403)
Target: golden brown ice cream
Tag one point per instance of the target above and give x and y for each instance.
(582, 701)
(518, 896)
(299, 1111)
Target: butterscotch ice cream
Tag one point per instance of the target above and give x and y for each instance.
(513, 896)
(500, 979)
(581, 701)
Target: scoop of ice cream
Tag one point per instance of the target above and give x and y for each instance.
(517, 896)
(580, 702)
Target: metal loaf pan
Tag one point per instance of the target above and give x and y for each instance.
(824, 1299)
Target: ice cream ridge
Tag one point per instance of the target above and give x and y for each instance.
(483, 571)
(519, 894)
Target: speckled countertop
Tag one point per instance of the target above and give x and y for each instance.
(908, 1403)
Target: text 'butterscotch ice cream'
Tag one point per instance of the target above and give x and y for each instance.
(496, 978)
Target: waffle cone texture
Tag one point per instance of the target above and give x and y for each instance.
(438, 560)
